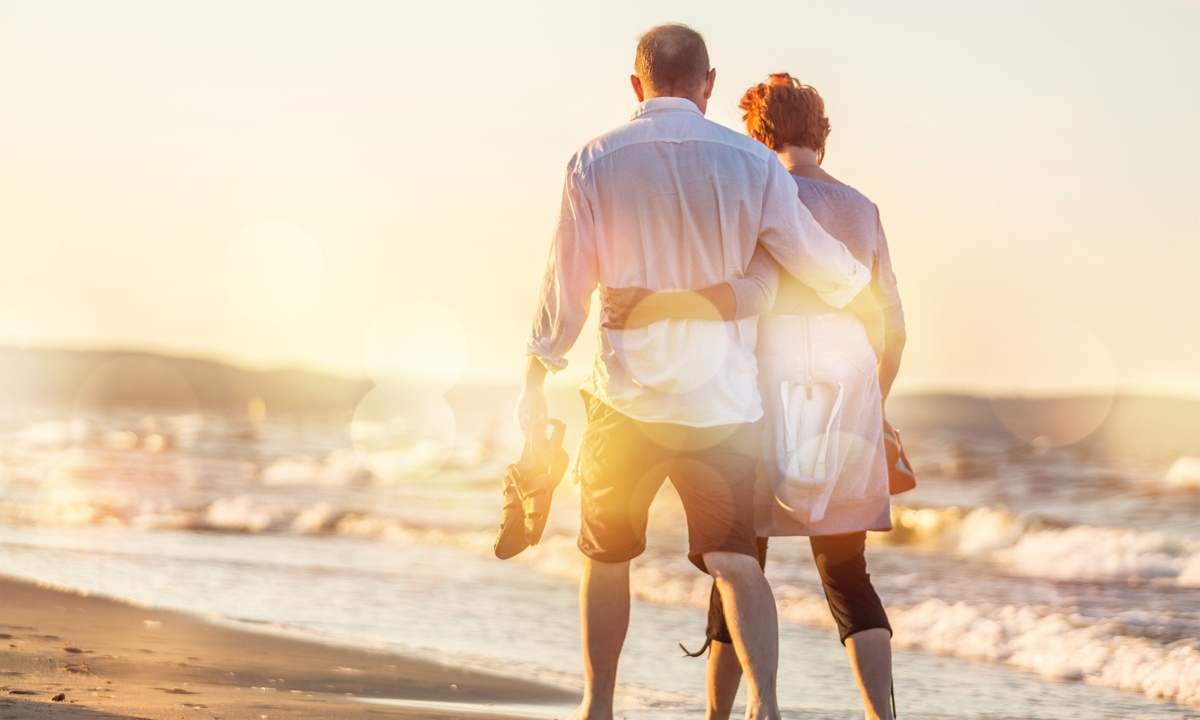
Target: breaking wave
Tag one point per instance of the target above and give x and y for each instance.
(1033, 547)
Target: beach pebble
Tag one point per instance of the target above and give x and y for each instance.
(59, 697)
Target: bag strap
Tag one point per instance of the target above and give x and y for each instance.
(833, 413)
(789, 436)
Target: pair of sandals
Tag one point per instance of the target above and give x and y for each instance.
(529, 487)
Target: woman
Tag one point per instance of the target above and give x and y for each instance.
(825, 375)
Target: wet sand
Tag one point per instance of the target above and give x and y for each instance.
(66, 655)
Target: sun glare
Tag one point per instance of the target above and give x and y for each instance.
(415, 340)
(274, 273)
(403, 434)
(638, 349)
(1060, 348)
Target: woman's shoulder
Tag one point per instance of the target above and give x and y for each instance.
(841, 194)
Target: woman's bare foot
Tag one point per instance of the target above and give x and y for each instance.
(583, 712)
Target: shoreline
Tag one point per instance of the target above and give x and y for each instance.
(66, 654)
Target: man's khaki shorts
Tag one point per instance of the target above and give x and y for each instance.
(623, 462)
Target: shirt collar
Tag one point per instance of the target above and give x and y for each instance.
(665, 103)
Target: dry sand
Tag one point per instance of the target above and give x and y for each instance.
(65, 655)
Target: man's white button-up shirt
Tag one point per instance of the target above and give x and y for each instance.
(672, 201)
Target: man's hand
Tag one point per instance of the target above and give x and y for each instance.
(531, 412)
(531, 405)
(618, 305)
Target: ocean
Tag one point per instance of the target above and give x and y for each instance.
(1047, 566)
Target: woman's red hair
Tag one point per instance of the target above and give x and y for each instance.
(784, 111)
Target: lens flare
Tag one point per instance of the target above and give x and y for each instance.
(1061, 348)
(403, 434)
(415, 341)
(63, 495)
(274, 273)
(136, 381)
(680, 437)
(641, 351)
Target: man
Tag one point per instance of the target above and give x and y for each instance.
(672, 201)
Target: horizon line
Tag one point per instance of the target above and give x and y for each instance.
(923, 390)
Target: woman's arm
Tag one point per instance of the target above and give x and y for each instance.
(889, 364)
(887, 294)
(631, 308)
(754, 294)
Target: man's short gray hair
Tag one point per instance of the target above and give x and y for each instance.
(671, 59)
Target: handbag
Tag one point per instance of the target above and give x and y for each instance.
(901, 477)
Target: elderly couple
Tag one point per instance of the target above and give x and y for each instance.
(737, 357)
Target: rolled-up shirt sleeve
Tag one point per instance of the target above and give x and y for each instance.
(570, 279)
(755, 293)
(802, 247)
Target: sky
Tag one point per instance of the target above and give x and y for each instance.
(370, 187)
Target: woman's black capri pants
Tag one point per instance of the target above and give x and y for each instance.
(843, 567)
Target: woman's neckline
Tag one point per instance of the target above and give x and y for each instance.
(790, 169)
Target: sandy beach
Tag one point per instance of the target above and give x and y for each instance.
(67, 655)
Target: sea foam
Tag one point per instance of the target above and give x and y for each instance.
(340, 468)
(1057, 645)
(1030, 546)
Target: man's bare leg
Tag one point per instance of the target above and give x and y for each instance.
(724, 677)
(871, 659)
(604, 617)
(750, 613)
